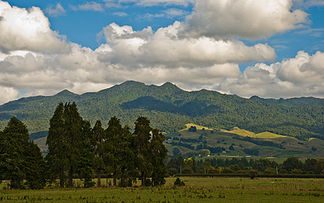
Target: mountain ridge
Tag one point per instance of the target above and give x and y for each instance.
(66, 92)
(169, 108)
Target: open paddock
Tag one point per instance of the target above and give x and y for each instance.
(197, 189)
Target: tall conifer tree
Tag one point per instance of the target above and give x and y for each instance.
(126, 159)
(114, 134)
(158, 155)
(20, 158)
(98, 137)
(85, 163)
(57, 146)
(69, 145)
(142, 136)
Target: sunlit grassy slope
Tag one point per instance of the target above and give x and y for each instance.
(199, 127)
(246, 133)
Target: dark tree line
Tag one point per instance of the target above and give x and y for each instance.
(78, 151)
(291, 165)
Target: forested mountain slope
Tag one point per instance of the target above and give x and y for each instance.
(169, 108)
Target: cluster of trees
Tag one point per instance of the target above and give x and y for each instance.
(77, 150)
(291, 165)
(20, 159)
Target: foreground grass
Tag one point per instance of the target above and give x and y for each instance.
(196, 190)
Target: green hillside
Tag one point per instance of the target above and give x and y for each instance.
(241, 143)
(246, 133)
(169, 108)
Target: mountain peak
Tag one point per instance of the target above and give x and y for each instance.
(65, 92)
(131, 83)
(169, 85)
(255, 97)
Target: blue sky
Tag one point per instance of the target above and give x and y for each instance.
(73, 22)
(259, 48)
(83, 26)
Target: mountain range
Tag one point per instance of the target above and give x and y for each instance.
(169, 108)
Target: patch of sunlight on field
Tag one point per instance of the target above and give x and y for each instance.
(269, 135)
(198, 127)
(246, 133)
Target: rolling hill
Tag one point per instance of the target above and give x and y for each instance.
(169, 108)
(241, 143)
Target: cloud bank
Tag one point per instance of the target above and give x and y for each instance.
(23, 29)
(295, 77)
(193, 54)
(249, 19)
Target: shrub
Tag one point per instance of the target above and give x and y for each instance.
(227, 170)
(212, 170)
(89, 184)
(148, 182)
(270, 170)
(187, 170)
(296, 171)
(172, 171)
(179, 182)
(253, 173)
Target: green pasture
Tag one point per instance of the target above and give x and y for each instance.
(246, 133)
(196, 190)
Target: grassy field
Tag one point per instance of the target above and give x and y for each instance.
(246, 133)
(198, 127)
(196, 190)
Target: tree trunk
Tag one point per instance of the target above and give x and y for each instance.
(62, 180)
(123, 179)
(98, 179)
(142, 178)
(114, 179)
(70, 184)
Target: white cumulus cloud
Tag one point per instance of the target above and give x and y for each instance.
(23, 29)
(295, 77)
(55, 11)
(89, 6)
(8, 94)
(243, 18)
(165, 47)
(35, 60)
(156, 2)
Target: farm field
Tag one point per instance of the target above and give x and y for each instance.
(198, 127)
(241, 143)
(196, 190)
(246, 133)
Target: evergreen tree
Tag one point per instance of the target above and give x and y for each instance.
(3, 155)
(85, 162)
(16, 138)
(142, 136)
(292, 163)
(113, 134)
(20, 159)
(57, 146)
(98, 134)
(35, 167)
(73, 135)
(158, 155)
(126, 159)
(69, 143)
